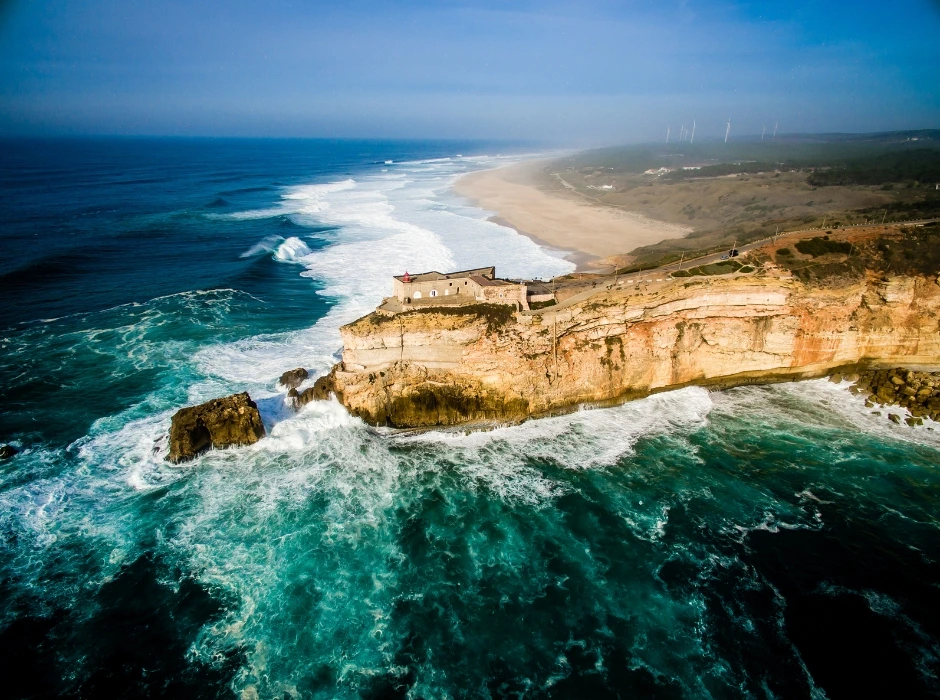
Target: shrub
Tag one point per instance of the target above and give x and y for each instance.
(820, 246)
(784, 252)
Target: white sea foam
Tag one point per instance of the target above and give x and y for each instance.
(292, 250)
(820, 401)
(586, 438)
(266, 245)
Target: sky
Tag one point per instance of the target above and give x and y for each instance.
(572, 73)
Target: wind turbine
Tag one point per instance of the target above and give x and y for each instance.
(728, 130)
(775, 130)
(681, 132)
(693, 132)
(762, 131)
(667, 134)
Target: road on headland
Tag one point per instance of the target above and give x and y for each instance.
(656, 274)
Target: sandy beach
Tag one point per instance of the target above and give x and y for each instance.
(593, 233)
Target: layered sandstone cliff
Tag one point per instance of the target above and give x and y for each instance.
(483, 364)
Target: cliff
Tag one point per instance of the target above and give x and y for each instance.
(488, 364)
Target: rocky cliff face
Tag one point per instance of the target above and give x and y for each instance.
(479, 364)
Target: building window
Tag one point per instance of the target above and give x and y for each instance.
(433, 292)
(446, 292)
(417, 295)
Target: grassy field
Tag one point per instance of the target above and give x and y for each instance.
(744, 191)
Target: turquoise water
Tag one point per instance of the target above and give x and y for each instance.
(760, 542)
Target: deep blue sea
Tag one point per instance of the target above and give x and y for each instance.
(762, 542)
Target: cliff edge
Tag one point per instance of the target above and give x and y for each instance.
(800, 316)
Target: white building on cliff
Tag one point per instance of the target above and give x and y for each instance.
(479, 285)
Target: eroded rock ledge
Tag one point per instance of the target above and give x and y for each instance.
(479, 365)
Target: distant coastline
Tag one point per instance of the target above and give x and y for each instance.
(595, 236)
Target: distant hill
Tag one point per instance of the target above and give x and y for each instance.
(914, 155)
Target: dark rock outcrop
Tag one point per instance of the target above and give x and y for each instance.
(294, 378)
(7, 451)
(231, 421)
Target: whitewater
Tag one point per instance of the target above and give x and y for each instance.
(691, 544)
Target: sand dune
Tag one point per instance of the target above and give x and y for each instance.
(591, 232)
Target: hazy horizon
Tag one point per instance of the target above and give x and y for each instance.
(553, 73)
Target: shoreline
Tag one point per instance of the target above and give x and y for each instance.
(593, 237)
(583, 261)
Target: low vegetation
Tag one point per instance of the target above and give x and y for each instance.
(724, 267)
(496, 315)
(822, 246)
(822, 262)
(915, 166)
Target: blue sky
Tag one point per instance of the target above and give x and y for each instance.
(578, 73)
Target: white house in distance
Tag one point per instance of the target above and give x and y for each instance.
(465, 287)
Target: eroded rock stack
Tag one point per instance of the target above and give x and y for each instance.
(320, 391)
(918, 392)
(231, 421)
(294, 378)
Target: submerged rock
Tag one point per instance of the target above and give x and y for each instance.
(7, 451)
(294, 378)
(231, 421)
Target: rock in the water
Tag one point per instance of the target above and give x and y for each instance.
(293, 398)
(226, 422)
(320, 391)
(7, 451)
(294, 378)
(894, 418)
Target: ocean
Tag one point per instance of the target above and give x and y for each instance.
(761, 542)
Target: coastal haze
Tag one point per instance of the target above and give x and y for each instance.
(681, 442)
